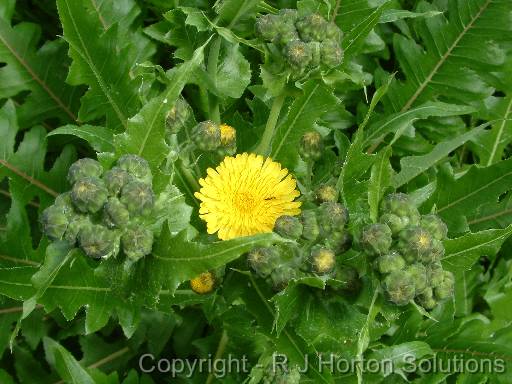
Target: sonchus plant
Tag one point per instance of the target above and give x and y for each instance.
(246, 191)
(406, 249)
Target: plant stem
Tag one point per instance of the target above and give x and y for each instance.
(218, 354)
(213, 60)
(263, 147)
(190, 178)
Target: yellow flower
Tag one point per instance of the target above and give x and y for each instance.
(245, 195)
(227, 134)
(204, 283)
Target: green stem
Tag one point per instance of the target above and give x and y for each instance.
(190, 178)
(213, 61)
(220, 351)
(263, 147)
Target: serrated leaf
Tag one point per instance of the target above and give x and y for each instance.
(460, 50)
(461, 253)
(65, 364)
(101, 61)
(380, 179)
(42, 72)
(412, 166)
(397, 123)
(304, 112)
(455, 199)
(100, 138)
(233, 73)
(145, 133)
(176, 259)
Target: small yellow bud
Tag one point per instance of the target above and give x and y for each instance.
(204, 283)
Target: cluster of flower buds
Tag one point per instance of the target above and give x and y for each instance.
(209, 136)
(407, 249)
(105, 210)
(302, 43)
(320, 234)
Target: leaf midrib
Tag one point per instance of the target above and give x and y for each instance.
(87, 58)
(38, 80)
(500, 133)
(443, 59)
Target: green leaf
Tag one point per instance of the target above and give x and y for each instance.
(232, 12)
(490, 145)
(380, 179)
(101, 61)
(233, 73)
(462, 252)
(398, 123)
(99, 138)
(459, 52)
(304, 112)
(457, 198)
(15, 282)
(391, 15)
(176, 259)
(412, 166)
(41, 72)
(145, 133)
(65, 364)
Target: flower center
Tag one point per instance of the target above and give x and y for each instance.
(244, 202)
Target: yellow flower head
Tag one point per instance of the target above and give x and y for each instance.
(204, 283)
(245, 195)
(227, 134)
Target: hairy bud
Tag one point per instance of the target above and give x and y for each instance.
(288, 226)
(84, 168)
(137, 167)
(312, 27)
(207, 135)
(399, 287)
(177, 116)
(311, 146)
(54, 222)
(414, 243)
(435, 226)
(331, 53)
(426, 299)
(227, 140)
(115, 214)
(376, 239)
(267, 27)
(419, 275)
(137, 242)
(298, 54)
(281, 276)
(98, 242)
(89, 194)
(390, 263)
(333, 217)
(115, 179)
(326, 193)
(263, 260)
(322, 260)
(445, 289)
(310, 226)
(138, 198)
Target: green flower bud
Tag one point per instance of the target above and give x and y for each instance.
(89, 194)
(435, 274)
(310, 225)
(436, 253)
(98, 242)
(267, 27)
(376, 239)
(414, 243)
(312, 27)
(115, 214)
(322, 260)
(399, 287)
(390, 263)
(54, 222)
(84, 168)
(288, 16)
(288, 226)
(177, 116)
(207, 135)
(227, 140)
(347, 280)
(263, 260)
(65, 204)
(281, 276)
(333, 32)
(419, 275)
(316, 53)
(298, 54)
(333, 217)
(76, 223)
(137, 167)
(445, 290)
(115, 179)
(399, 204)
(340, 242)
(138, 198)
(435, 226)
(137, 242)
(331, 53)
(325, 193)
(426, 299)
(394, 222)
(311, 146)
